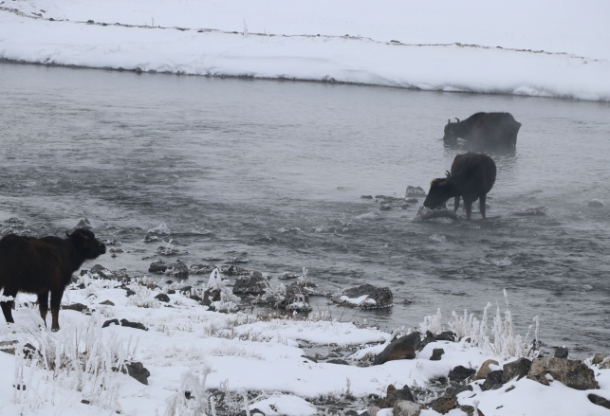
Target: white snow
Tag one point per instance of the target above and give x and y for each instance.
(283, 405)
(186, 345)
(358, 301)
(520, 48)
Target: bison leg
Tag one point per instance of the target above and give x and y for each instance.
(7, 306)
(468, 207)
(56, 295)
(43, 305)
(456, 203)
(482, 199)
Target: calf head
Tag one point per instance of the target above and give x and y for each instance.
(86, 243)
(441, 189)
(450, 132)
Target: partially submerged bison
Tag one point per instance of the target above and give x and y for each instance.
(472, 176)
(485, 130)
(43, 265)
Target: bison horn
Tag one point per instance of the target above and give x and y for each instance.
(458, 120)
(448, 173)
(448, 121)
(83, 235)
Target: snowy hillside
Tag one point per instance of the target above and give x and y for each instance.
(528, 49)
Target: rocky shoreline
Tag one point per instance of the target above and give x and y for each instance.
(442, 394)
(452, 381)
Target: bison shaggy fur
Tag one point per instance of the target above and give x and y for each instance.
(489, 130)
(42, 266)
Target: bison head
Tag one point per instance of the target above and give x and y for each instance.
(86, 243)
(450, 132)
(441, 189)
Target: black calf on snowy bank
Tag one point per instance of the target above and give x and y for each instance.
(43, 265)
(485, 130)
(472, 177)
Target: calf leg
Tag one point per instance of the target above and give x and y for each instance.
(56, 295)
(43, 305)
(7, 306)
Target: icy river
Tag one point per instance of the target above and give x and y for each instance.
(273, 172)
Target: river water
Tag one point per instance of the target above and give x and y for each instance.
(273, 173)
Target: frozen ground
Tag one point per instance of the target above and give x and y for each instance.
(529, 49)
(225, 357)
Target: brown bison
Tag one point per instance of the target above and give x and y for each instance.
(43, 265)
(485, 130)
(472, 176)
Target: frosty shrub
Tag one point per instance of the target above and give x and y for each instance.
(81, 358)
(144, 297)
(505, 343)
(303, 280)
(277, 293)
(228, 301)
(432, 323)
(191, 399)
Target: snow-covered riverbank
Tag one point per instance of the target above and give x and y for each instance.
(198, 359)
(538, 50)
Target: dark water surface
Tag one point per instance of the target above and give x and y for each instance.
(274, 171)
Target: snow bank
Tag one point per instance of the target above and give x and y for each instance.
(406, 45)
(189, 349)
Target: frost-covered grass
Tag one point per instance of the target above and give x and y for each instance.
(204, 362)
(228, 301)
(505, 344)
(82, 358)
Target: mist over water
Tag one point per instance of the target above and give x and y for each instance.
(274, 172)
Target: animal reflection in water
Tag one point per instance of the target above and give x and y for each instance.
(484, 131)
(472, 176)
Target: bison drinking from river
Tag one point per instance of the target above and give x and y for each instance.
(472, 176)
(485, 130)
(43, 265)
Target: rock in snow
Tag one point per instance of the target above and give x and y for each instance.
(365, 297)
(572, 373)
(403, 348)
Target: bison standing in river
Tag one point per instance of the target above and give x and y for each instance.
(485, 130)
(472, 177)
(43, 265)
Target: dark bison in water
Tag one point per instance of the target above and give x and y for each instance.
(485, 130)
(472, 176)
(43, 265)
